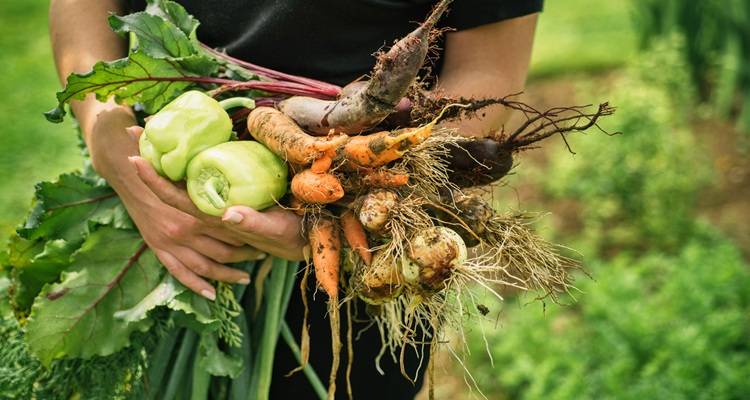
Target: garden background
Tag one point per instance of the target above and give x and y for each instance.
(660, 215)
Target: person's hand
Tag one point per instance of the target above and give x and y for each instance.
(193, 250)
(275, 230)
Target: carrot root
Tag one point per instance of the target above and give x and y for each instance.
(326, 254)
(287, 140)
(335, 319)
(313, 188)
(355, 236)
(385, 179)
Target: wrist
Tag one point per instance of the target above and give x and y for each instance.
(91, 112)
(103, 127)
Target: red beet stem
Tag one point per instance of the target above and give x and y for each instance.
(328, 89)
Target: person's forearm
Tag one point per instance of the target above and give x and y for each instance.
(490, 61)
(81, 37)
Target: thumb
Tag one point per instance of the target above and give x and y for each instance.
(243, 218)
(134, 132)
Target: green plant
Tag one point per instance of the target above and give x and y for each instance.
(651, 327)
(717, 37)
(633, 189)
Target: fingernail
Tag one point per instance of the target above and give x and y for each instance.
(211, 295)
(244, 281)
(233, 217)
(131, 130)
(132, 159)
(261, 256)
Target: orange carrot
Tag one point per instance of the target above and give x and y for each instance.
(322, 164)
(355, 235)
(385, 179)
(326, 248)
(313, 188)
(287, 140)
(326, 255)
(378, 149)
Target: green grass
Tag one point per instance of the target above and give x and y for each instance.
(32, 148)
(582, 36)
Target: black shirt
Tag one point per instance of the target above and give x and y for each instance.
(331, 40)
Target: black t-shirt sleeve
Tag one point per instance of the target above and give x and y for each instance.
(466, 14)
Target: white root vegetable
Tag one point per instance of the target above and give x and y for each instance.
(436, 252)
(382, 281)
(376, 209)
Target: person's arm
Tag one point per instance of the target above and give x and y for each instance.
(192, 247)
(488, 61)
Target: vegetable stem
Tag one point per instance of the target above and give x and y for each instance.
(315, 381)
(212, 186)
(274, 293)
(176, 379)
(233, 102)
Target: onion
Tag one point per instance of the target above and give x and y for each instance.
(436, 251)
(376, 209)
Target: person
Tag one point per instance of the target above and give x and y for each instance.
(486, 53)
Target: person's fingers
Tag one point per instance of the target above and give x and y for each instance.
(134, 132)
(163, 188)
(222, 234)
(187, 277)
(273, 224)
(224, 253)
(208, 268)
(172, 193)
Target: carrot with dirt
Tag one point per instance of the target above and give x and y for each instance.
(325, 244)
(283, 137)
(316, 188)
(366, 105)
(384, 178)
(355, 236)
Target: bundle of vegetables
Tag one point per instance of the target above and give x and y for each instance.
(391, 202)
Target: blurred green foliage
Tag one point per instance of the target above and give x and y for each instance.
(651, 326)
(717, 37)
(633, 188)
(578, 36)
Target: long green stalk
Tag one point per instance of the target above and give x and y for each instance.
(201, 382)
(187, 348)
(240, 386)
(159, 363)
(274, 294)
(309, 372)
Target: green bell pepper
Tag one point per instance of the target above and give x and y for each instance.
(186, 126)
(236, 173)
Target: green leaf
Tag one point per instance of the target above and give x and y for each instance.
(162, 295)
(66, 209)
(214, 360)
(195, 307)
(176, 14)
(112, 271)
(156, 37)
(152, 82)
(35, 264)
